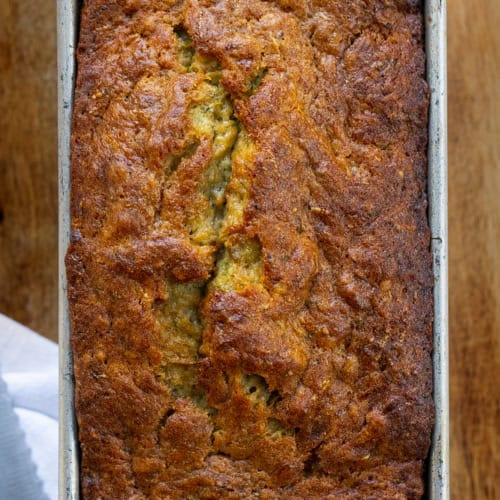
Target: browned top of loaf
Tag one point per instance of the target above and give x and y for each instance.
(249, 274)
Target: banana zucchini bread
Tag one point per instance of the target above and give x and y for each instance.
(249, 274)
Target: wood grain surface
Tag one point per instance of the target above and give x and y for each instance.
(474, 208)
(28, 164)
(28, 211)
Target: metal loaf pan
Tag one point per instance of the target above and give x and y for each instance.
(435, 24)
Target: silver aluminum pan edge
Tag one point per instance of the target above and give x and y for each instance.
(67, 23)
(435, 45)
(435, 24)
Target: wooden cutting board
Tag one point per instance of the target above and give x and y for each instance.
(28, 164)
(28, 211)
(474, 208)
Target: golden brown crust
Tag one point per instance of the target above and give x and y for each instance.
(249, 274)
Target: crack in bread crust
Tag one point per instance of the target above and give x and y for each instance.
(249, 275)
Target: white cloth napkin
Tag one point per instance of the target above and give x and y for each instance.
(29, 367)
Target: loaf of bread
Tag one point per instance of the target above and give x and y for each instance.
(249, 274)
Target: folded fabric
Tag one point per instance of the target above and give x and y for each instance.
(18, 477)
(29, 367)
